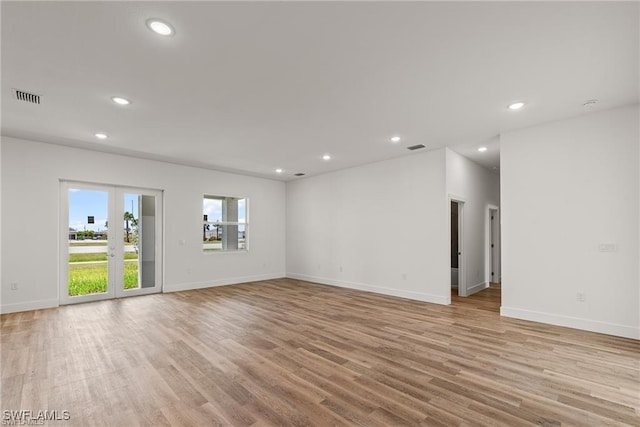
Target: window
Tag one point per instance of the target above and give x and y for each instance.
(225, 225)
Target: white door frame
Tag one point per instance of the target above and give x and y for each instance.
(115, 288)
(490, 263)
(120, 291)
(462, 281)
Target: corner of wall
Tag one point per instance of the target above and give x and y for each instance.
(188, 286)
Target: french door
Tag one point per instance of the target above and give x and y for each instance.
(111, 242)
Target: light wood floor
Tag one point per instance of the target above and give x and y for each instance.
(488, 299)
(286, 352)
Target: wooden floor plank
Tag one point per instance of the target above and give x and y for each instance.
(288, 352)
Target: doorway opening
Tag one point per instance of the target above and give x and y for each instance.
(493, 247)
(110, 242)
(490, 298)
(458, 283)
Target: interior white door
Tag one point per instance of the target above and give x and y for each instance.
(456, 206)
(462, 282)
(495, 246)
(111, 242)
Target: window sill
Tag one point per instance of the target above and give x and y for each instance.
(238, 251)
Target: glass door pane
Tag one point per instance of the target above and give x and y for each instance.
(148, 245)
(114, 258)
(140, 239)
(87, 247)
(131, 241)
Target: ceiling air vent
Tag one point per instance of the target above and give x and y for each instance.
(298, 174)
(416, 147)
(21, 95)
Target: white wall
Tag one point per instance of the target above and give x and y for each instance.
(478, 188)
(0, 222)
(567, 187)
(31, 172)
(378, 227)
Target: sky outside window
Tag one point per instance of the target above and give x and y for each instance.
(213, 209)
(85, 203)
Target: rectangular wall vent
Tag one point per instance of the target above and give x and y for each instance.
(21, 95)
(416, 147)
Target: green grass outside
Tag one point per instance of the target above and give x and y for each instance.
(241, 246)
(92, 278)
(98, 256)
(88, 243)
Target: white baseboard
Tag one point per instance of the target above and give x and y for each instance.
(51, 303)
(477, 288)
(419, 296)
(29, 305)
(572, 322)
(220, 282)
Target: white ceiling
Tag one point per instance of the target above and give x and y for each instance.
(251, 87)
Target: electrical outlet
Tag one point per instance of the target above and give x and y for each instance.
(404, 276)
(340, 269)
(581, 296)
(14, 286)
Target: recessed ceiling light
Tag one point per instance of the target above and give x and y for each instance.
(482, 149)
(120, 100)
(395, 139)
(278, 170)
(326, 157)
(101, 136)
(516, 105)
(590, 103)
(160, 27)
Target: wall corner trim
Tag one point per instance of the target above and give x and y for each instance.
(572, 322)
(220, 282)
(418, 296)
(29, 305)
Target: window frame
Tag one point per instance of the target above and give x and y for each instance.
(222, 223)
